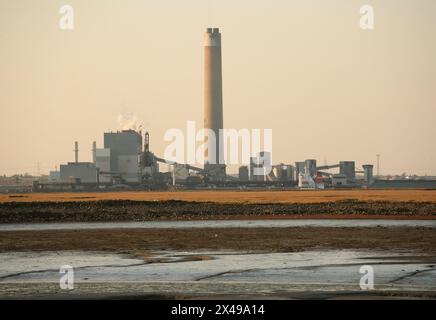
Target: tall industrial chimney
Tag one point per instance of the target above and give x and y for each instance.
(76, 151)
(213, 102)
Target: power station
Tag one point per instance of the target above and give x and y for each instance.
(126, 158)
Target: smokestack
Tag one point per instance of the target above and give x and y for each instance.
(76, 151)
(147, 142)
(94, 152)
(213, 100)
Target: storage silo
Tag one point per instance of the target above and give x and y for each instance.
(368, 171)
(299, 169)
(348, 169)
(310, 167)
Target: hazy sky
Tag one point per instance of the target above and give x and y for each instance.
(304, 68)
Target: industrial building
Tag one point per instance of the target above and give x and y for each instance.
(243, 173)
(103, 163)
(261, 167)
(120, 161)
(348, 169)
(368, 176)
(79, 172)
(124, 148)
(126, 158)
(310, 175)
(283, 172)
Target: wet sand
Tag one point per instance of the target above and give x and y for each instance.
(201, 291)
(141, 241)
(319, 274)
(223, 224)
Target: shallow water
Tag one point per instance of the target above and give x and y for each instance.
(219, 272)
(275, 223)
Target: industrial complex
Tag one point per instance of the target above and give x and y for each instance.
(126, 161)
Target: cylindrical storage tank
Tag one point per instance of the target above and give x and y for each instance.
(243, 173)
(279, 172)
(283, 172)
(310, 167)
(368, 173)
(291, 171)
(348, 168)
(299, 168)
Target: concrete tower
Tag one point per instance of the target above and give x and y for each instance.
(213, 103)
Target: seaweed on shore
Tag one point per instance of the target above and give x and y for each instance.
(128, 210)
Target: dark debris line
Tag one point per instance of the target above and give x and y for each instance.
(126, 210)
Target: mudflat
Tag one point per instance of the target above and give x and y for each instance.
(140, 242)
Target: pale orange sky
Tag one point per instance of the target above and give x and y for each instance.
(304, 68)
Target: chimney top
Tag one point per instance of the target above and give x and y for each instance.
(213, 30)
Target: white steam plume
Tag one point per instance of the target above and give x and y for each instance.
(128, 121)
